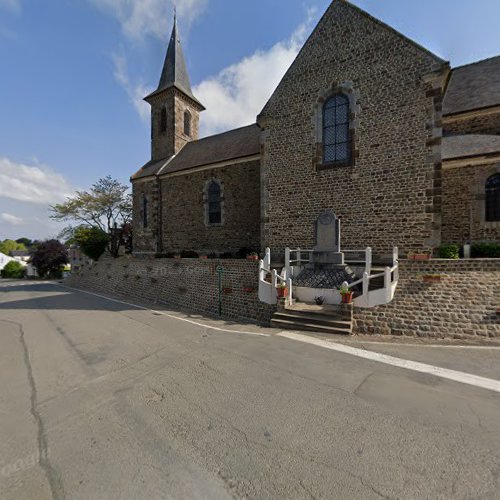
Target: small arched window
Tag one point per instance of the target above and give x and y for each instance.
(163, 120)
(492, 189)
(187, 123)
(214, 201)
(336, 133)
(144, 211)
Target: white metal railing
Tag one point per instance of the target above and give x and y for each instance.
(295, 258)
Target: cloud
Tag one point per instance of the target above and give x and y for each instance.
(36, 184)
(150, 17)
(12, 5)
(237, 94)
(12, 219)
(135, 91)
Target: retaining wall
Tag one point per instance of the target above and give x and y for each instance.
(186, 284)
(463, 304)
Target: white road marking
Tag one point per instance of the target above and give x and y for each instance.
(464, 378)
(434, 346)
(163, 313)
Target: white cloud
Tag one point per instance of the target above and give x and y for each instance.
(12, 219)
(13, 5)
(237, 94)
(135, 92)
(36, 184)
(150, 17)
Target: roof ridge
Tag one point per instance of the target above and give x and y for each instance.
(476, 62)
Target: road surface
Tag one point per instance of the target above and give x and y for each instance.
(104, 400)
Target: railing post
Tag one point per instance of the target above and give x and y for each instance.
(289, 283)
(299, 256)
(387, 283)
(274, 278)
(366, 287)
(368, 258)
(268, 258)
(287, 263)
(395, 256)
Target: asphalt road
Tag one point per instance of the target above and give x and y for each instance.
(101, 400)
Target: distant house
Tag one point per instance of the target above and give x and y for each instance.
(4, 260)
(20, 255)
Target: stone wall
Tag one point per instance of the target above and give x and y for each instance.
(391, 195)
(145, 238)
(190, 284)
(463, 304)
(464, 205)
(474, 123)
(183, 210)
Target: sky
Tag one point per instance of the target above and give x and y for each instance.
(73, 74)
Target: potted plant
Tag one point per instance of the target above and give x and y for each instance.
(346, 294)
(253, 256)
(282, 290)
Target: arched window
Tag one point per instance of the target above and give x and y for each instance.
(336, 133)
(214, 202)
(187, 123)
(144, 211)
(492, 189)
(163, 120)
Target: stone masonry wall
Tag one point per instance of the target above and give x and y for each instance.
(391, 195)
(486, 123)
(145, 238)
(463, 304)
(190, 284)
(183, 205)
(464, 205)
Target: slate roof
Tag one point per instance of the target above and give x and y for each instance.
(464, 146)
(473, 86)
(235, 144)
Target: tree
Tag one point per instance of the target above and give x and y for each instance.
(49, 258)
(7, 246)
(92, 241)
(25, 241)
(14, 270)
(106, 206)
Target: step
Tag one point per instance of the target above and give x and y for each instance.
(317, 319)
(325, 309)
(309, 327)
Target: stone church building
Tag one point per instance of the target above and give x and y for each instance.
(366, 123)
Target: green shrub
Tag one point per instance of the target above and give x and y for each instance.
(13, 270)
(448, 252)
(485, 251)
(93, 241)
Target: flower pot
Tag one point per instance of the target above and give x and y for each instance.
(421, 256)
(347, 298)
(252, 257)
(282, 292)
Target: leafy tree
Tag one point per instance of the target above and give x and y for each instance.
(7, 246)
(49, 258)
(25, 241)
(14, 270)
(106, 206)
(92, 240)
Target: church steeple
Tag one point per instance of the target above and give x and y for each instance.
(174, 109)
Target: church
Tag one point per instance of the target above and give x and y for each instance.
(404, 149)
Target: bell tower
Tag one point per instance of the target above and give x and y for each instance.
(175, 112)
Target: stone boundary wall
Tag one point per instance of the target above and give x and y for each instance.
(191, 284)
(462, 305)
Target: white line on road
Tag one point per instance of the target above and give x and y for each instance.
(464, 378)
(163, 313)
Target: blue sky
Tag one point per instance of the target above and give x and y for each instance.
(73, 72)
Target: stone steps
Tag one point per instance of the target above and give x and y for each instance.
(321, 319)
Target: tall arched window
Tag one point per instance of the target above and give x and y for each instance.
(187, 123)
(336, 133)
(492, 189)
(163, 120)
(214, 202)
(144, 211)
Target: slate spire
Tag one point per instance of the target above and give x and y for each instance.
(174, 72)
